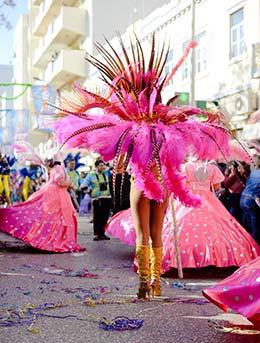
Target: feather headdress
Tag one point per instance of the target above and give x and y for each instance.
(154, 137)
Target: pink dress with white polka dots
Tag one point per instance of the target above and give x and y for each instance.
(47, 220)
(208, 235)
(239, 292)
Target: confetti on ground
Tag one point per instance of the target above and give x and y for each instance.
(189, 286)
(29, 313)
(70, 273)
(85, 273)
(121, 324)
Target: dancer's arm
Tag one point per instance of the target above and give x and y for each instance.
(216, 178)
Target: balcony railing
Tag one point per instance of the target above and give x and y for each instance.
(47, 10)
(62, 31)
(36, 2)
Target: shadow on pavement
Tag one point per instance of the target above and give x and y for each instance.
(210, 272)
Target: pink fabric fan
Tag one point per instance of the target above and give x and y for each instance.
(26, 152)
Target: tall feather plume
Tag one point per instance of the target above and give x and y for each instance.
(128, 75)
(246, 151)
(119, 146)
(140, 56)
(86, 129)
(127, 59)
(214, 140)
(191, 45)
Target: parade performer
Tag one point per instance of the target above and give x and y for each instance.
(47, 220)
(131, 121)
(16, 181)
(26, 183)
(6, 162)
(239, 292)
(208, 235)
(29, 176)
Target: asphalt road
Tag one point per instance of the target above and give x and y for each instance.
(77, 304)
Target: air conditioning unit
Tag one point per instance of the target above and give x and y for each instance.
(254, 101)
(241, 104)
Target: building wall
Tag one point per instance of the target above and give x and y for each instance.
(20, 61)
(6, 72)
(6, 106)
(74, 25)
(225, 79)
(60, 33)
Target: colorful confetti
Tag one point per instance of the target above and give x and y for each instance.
(121, 324)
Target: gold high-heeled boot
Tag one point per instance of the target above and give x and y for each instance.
(156, 270)
(143, 260)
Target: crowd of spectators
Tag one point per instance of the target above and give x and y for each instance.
(240, 194)
(94, 193)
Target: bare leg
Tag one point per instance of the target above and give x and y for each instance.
(157, 214)
(140, 209)
(156, 224)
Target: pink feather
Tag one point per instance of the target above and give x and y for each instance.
(191, 45)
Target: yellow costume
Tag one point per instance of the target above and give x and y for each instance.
(26, 187)
(1, 184)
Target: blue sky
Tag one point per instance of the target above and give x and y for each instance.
(7, 36)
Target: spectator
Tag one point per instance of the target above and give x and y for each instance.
(121, 198)
(85, 202)
(98, 185)
(222, 193)
(235, 182)
(75, 181)
(81, 191)
(250, 203)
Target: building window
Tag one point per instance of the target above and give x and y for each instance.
(200, 56)
(237, 43)
(168, 64)
(201, 53)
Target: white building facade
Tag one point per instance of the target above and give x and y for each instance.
(225, 69)
(20, 60)
(6, 109)
(60, 32)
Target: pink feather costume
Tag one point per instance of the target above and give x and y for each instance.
(134, 122)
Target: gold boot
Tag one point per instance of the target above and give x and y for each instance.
(143, 260)
(156, 270)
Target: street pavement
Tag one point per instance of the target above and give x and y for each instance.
(109, 290)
